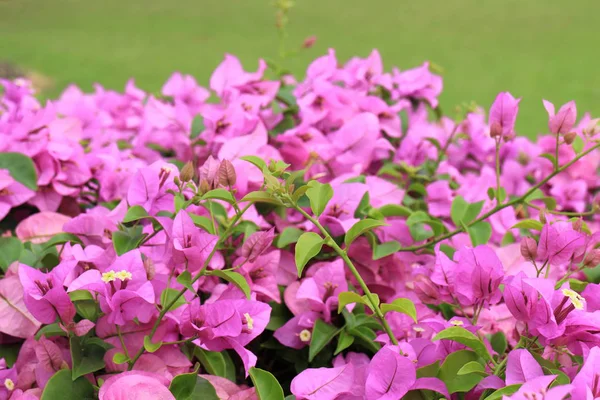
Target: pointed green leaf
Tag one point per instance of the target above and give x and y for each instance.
(167, 296)
(404, 306)
(462, 211)
(256, 161)
(288, 236)
(203, 222)
(216, 363)
(62, 386)
(319, 195)
(322, 334)
(87, 357)
(21, 169)
(463, 336)
(192, 387)
(149, 346)
(385, 249)
(529, 224)
(344, 341)
(309, 245)
(505, 391)
(360, 228)
(480, 233)
(219, 194)
(346, 298)
(235, 278)
(267, 387)
(260, 197)
(120, 358)
(10, 251)
(472, 367)
(135, 213)
(449, 372)
(185, 279)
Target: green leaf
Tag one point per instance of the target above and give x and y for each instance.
(429, 371)
(322, 334)
(472, 367)
(88, 309)
(50, 331)
(447, 250)
(480, 233)
(135, 213)
(505, 391)
(125, 241)
(10, 352)
(61, 238)
(120, 358)
(288, 236)
(462, 211)
(260, 197)
(267, 387)
(498, 342)
(197, 126)
(21, 169)
(319, 195)
(449, 372)
(578, 144)
(61, 386)
(385, 249)
(404, 306)
(346, 298)
(309, 245)
(394, 210)
(360, 228)
(10, 251)
(463, 336)
(149, 346)
(219, 194)
(192, 387)
(549, 157)
(235, 278)
(529, 224)
(81, 294)
(86, 357)
(203, 222)
(185, 279)
(365, 337)
(344, 341)
(257, 161)
(216, 363)
(167, 296)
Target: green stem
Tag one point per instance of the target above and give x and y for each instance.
(556, 163)
(498, 201)
(122, 341)
(200, 273)
(564, 213)
(501, 206)
(330, 242)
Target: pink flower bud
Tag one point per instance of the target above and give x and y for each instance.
(570, 137)
(529, 249)
(209, 172)
(309, 42)
(257, 243)
(563, 121)
(592, 258)
(503, 115)
(227, 176)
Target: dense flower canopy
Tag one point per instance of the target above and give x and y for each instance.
(331, 238)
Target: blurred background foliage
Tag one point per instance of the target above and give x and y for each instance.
(534, 48)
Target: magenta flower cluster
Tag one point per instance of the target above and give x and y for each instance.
(335, 238)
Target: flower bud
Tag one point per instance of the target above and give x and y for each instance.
(577, 225)
(177, 181)
(204, 186)
(542, 216)
(495, 130)
(529, 249)
(592, 127)
(570, 137)
(309, 42)
(187, 172)
(503, 115)
(592, 258)
(227, 176)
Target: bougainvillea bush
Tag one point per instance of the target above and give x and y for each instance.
(337, 237)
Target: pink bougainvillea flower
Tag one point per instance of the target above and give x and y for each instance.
(135, 385)
(558, 243)
(192, 245)
(40, 227)
(8, 382)
(45, 295)
(123, 289)
(324, 383)
(322, 289)
(257, 243)
(15, 318)
(297, 332)
(539, 387)
(563, 121)
(418, 83)
(12, 193)
(521, 367)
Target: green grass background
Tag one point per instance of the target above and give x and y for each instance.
(534, 48)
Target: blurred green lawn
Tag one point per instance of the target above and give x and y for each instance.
(534, 48)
